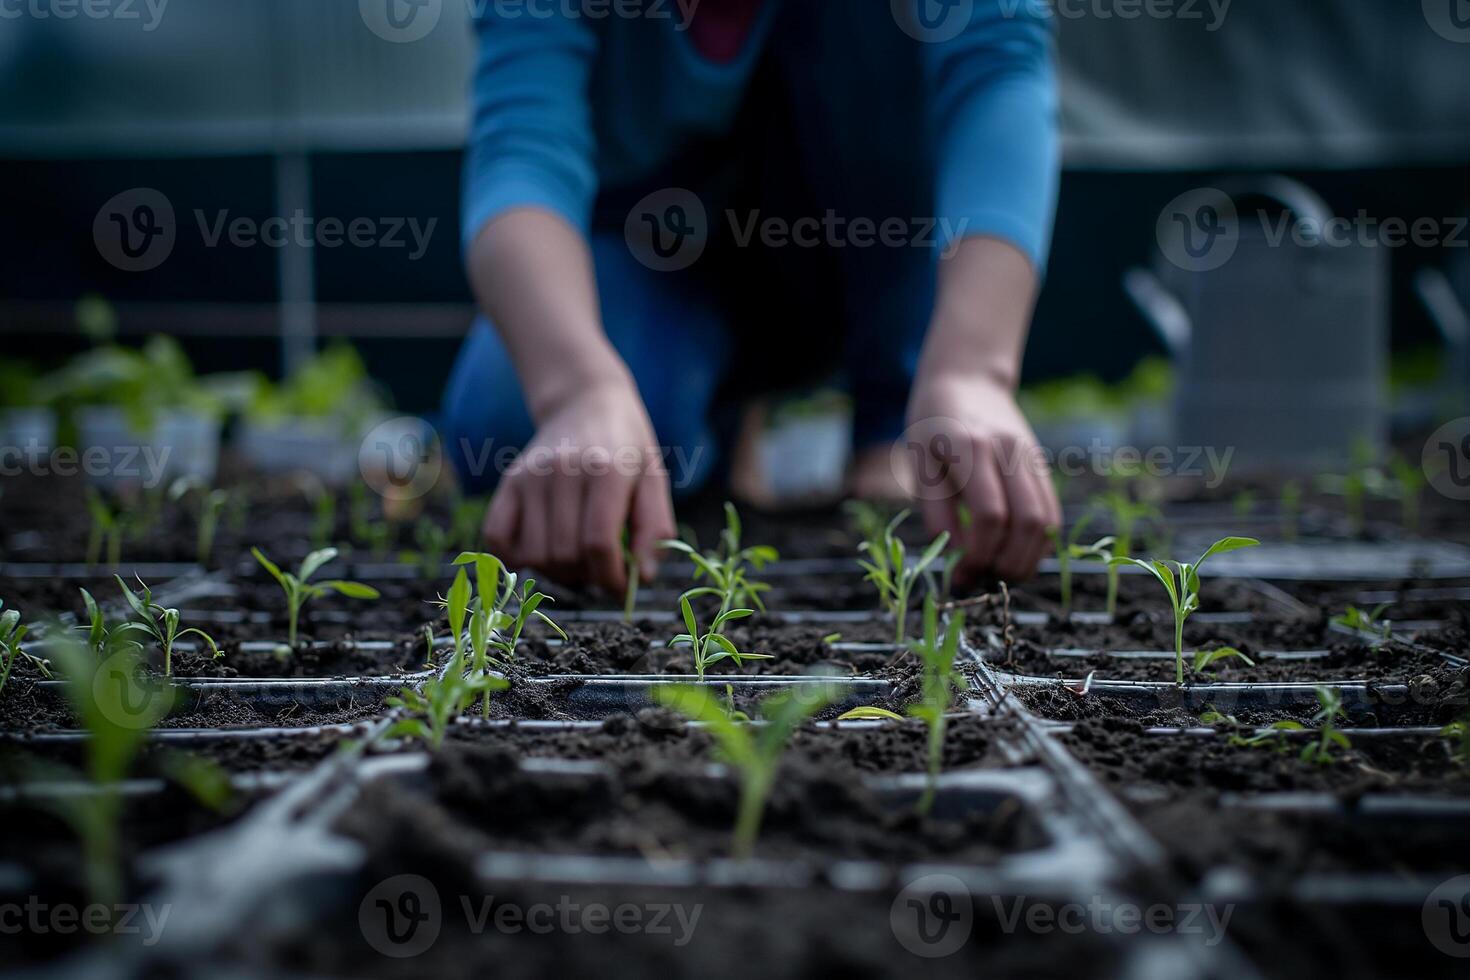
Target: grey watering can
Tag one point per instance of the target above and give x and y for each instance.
(1279, 332)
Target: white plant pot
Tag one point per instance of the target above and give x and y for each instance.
(806, 458)
(179, 444)
(300, 445)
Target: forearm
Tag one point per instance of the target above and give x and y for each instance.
(532, 274)
(986, 294)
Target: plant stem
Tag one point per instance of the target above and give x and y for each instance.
(936, 757)
(1064, 563)
(752, 802)
(1179, 648)
(295, 611)
(630, 599)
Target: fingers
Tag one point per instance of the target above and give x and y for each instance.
(503, 520)
(565, 491)
(985, 496)
(531, 548)
(652, 518)
(1019, 553)
(604, 515)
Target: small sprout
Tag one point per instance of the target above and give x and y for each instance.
(1243, 504)
(323, 518)
(379, 538)
(446, 697)
(11, 635)
(433, 547)
(1407, 485)
(1124, 514)
(754, 752)
(712, 646)
(300, 589)
(1291, 509)
(1367, 622)
(866, 520)
(726, 568)
(1458, 734)
(1069, 550)
(1361, 479)
(208, 510)
(941, 680)
(467, 523)
(1181, 581)
(160, 623)
(107, 529)
(492, 626)
(831, 639)
(888, 568)
(1328, 733)
(1203, 658)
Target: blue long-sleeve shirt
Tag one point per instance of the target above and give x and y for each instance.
(566, 105)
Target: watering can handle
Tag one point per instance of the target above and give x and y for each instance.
(1160, 308)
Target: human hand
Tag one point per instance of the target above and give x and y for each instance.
(968, 443)
(593, 468)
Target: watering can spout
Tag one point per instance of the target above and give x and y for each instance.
(1160, 308)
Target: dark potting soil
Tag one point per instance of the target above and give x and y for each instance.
(813, 932)
(661, 805)
(627, 741)
(1138, 765)
(1137, 594)
(281, 753)
(1335, 597)
(400, 614)
(1348, 659)
(27, 708)
(1155, 631)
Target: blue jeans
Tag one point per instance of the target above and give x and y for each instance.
(834, 123)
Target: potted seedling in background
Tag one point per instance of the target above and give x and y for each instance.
(889, 569)
(160, 623)
(1124, 514)
(1291, 509)
(300, 589)
(1181, 581)
(1361, 479)
(1407, 483)
(107, 526)
(1069, 550)
(209, 506)
(433, 546)
(754, 751)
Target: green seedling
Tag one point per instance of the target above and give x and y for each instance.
(1243, 504)
(1361, 479)
(378, 536)
(103, 640)
(106, 530)
(209, 508)
(1457, 733)
(1291, 509)
(117, 711)
(467, 523)
(941, 680)
(448, 696)
(359, 513)
(1328, 733)
(300, 589)
(433, 546)
(1407, 483)
(866, 520)
(728, 568)
(1181, 580)
(323, 518)
(755, 752)
(1368, 622)
(12, 633)
(1204, 658)
(888, 568)
(1124, 514)
(712, 646)
(160, 623)
(1069, 550)
(491, 624)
